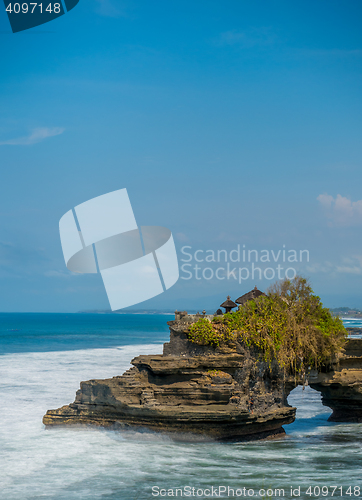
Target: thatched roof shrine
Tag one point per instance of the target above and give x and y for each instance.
(253, 294)
(228, 304)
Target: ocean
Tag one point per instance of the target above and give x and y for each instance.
(43, 359)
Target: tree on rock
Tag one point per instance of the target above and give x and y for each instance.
(289, 325)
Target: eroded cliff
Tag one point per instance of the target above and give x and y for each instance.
(222, 393)
(340, 384)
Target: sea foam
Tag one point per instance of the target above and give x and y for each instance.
(92, 464)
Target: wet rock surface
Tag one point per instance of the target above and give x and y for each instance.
(340, 384)
(222, 393)
(204, 392)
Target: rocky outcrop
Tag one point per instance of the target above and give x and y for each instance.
(341, 384)
(222, 393)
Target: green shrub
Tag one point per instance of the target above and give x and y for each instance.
(289, 325)
(203, 332)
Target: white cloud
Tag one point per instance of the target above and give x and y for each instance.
(349, 270)
(326, 200)
(318, 267)
(351, 265)
(37, 135)
(341, 211)
(348, 265)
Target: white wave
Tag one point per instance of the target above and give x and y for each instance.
(30, 384)
(86, 464)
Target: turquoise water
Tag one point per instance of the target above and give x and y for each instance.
(40, 332)
(352, 322)
(44, 359)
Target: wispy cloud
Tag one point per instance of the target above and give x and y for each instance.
(351, 265)
(347, 265)
(318, 267)
(246, 39)
(35, 136)
(108, 8)
(341, 211)
(349, 270)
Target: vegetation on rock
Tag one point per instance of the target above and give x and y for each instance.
(203, 332)
(289, 325)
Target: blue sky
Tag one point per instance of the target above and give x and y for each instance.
(228, 122)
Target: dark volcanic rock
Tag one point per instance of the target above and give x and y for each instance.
(341, 384)
(223, 393)
(354, 330)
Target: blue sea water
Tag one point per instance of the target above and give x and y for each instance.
(352, 322)
(41, 332)
(43, 359)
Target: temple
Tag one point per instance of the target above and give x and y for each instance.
(228, 304)
(199, 391)
(253, 294)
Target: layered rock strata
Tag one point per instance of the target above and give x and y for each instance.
(223, 393)
(341, 384)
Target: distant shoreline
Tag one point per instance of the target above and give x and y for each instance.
(150, 311)
(342, 312)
